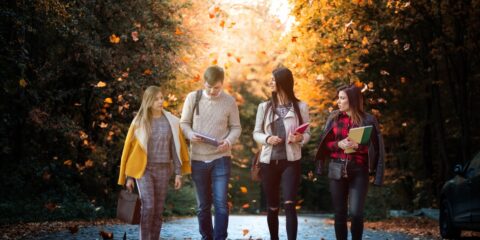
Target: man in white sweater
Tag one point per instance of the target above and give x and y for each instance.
(211, 113)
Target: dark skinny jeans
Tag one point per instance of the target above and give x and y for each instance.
(350, 192)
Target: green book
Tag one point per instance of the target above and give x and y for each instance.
(360, 135)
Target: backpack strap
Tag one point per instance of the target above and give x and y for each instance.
(198, 96)
(196, 108)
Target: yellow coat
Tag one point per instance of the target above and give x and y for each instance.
(134, 155)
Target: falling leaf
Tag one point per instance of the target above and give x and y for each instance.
(46, 176)
(403, 80)
(239, 59)
(165, 104)
(406, 46)
(243, 189)
(231, 24)
(101, 84)
(294, 39)
(103, 125)
(106, 235)
(178, 31)
(108, 100)
(22, 82)
(211, 15)
(358, 84)
(114, 39)
(147, 72)
(50, 206)
(67, 162)
(364, 41)
(185, 59)
(370, 85)
(246, 205)
(196, 78)
(214, 62)
(384, 73)
(298, 207)
(89, 163)
(229, 54)
(216, 9)
(137, 25)
(73, 229)
(404, 124)
(222, 23)
(83, 135)
(125, 74)
(245, 232)
(134, 35)
(367, 28)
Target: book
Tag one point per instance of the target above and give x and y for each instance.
(301, 129)
(207, 139)
(360, 135)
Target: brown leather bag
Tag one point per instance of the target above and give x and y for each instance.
(128, 207)
(255, 168)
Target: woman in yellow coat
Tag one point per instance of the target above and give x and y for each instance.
(154, 149)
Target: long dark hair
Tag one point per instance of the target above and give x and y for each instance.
(284, 82)
(355, 102)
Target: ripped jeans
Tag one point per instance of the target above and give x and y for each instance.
(287, 174)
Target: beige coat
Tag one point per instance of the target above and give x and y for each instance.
(294, 151)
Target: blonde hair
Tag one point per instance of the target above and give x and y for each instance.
(144, 115)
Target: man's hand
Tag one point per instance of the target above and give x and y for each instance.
(178, 182)
(130, 184)
(224, 146)
(195, 138)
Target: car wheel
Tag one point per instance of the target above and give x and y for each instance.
(447, 229)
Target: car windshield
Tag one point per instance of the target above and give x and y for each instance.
(473, 167)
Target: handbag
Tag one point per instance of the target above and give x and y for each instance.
(255, 168)
(335, 170)
(128, 207)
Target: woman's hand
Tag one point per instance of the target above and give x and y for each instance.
(274, 140)
(347, 143)
(296, 137)
(178, 182)
(130, 184)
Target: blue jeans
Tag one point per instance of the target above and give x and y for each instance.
(211, 184)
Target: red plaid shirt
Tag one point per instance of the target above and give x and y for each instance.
(339, 132)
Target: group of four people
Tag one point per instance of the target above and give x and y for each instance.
(155, 148)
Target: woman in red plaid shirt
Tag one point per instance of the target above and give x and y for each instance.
(350, 187)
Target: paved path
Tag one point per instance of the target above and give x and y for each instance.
(309, 227)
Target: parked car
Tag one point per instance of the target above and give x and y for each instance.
(460, 200)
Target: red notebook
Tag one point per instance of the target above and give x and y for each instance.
(301, 129)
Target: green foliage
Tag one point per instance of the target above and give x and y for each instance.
(72, 78)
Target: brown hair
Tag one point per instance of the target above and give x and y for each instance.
(213, 74)
(284, 82)
(355, 102)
